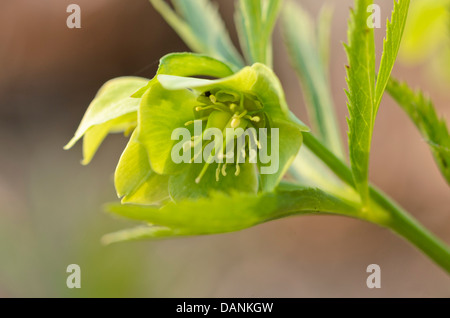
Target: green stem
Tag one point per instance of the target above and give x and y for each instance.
(405, 225)
(399, 220)
(333, 162)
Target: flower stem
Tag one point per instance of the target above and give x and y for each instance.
(399, 221)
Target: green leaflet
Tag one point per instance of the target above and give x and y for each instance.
(112, 110)
(200, 26)
(134, 179)
(361, 86)
(307, 58)
(422, 112)
(363, 96)
(188, 64)
(255, 20)
(225, 213)
(391, 45)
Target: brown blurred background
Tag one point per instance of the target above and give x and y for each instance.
(50, 205)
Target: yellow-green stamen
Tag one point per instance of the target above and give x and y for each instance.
(238, 170)
(235, 115)
(202, 173)
(217, 106)
(224, 169)
(193, 121)
(235, 122)
(255, 119)
(218, 172)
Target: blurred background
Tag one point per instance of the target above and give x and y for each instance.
(51, 206)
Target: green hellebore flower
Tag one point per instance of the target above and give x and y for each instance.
(251, 98)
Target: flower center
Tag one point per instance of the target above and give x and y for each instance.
(223, 109)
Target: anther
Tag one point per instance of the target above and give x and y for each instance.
(213, 99)
(256, 119)
(238, 170)
(218, 172)
(235, 122)
(224, 170)
(202, 173)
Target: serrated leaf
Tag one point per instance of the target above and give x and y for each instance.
(363, 95)
(391, 45)
(222, 213)
(422, 112)
(255, 20)
(112, 110)
(361, 91)
(299, 35)
(200, 26)
(134, 179)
